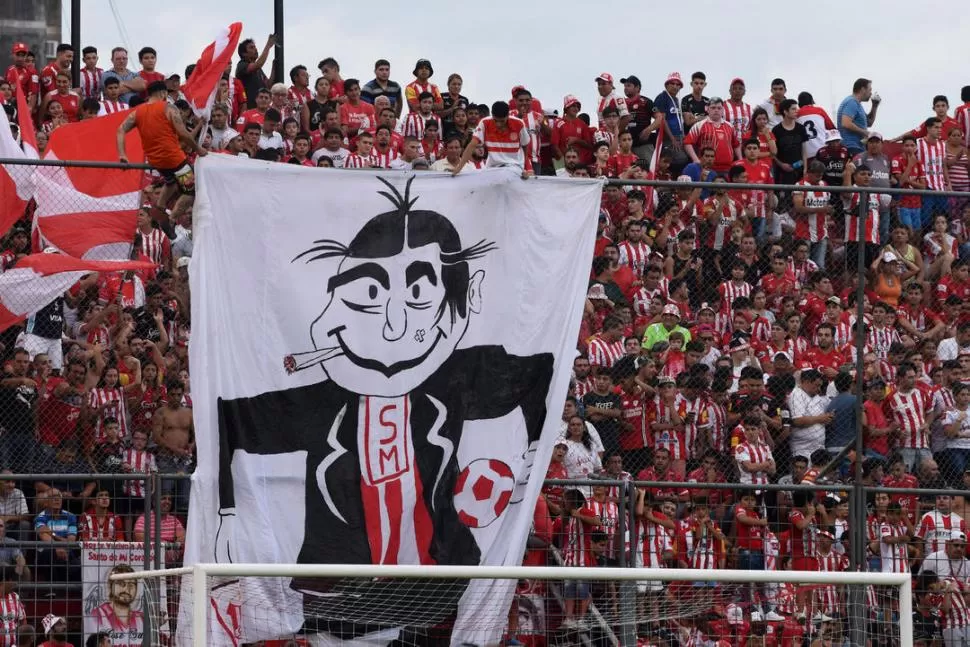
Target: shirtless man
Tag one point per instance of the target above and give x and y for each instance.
(173, 432)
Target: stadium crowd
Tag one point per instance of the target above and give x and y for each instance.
(717, 342)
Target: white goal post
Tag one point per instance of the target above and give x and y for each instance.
(200, 575)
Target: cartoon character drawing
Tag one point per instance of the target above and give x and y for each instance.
(381, 432)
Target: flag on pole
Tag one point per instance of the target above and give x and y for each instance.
(16, 181)
(27, 135)
(200, 88)
(655, 158)
(36, 280)
(95, 140)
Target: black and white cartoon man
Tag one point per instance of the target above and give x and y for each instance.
(381, 433)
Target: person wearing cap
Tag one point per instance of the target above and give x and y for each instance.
(887, 282)
(951, 560)
(23, 74)
(55, 628)
(421, 84)
(660, 331)
(834, 156)
(573, 132)
(879, 165)
(666, 111)
(609, 99)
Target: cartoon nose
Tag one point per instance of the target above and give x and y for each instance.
(396, 323)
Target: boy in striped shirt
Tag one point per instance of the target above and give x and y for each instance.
(575, 528)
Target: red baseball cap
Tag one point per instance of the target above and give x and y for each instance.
(605, 76)
(737, 79)
(569, 100)
(20, 47)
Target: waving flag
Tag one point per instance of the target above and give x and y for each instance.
(38, 279)
(27, 135)
(94, 140)
(16, 181)
(200, 88)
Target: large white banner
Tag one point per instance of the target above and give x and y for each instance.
(379, 362)
(119, 608)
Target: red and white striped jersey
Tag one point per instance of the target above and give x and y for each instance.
(804, 542)
(959, 614)
(111, 107)
(414, 122)
(843, 333)
(786, 598)
(909, 411)
(156, 245)
(91, 83)
(812, 226)
(656, 541)
(616, 491)
(936, 527)
(108, 528)
(383, 160)
(729, 291)
(933, 157)
(583, 387)
(612, 100)
(772, 548)
(431, 151)
(962, 116)
(609, 514)
(827, 597)
(717, 418)
(576, 545)
(871, 224)
(141, 461)
(802, 270)
(533, 124)
(644, 295)
(888, 371)
(297, 96)
(360, 161)
(880, 339)
(12, 615)
(699, 548)
(894, 557)
(634, 255)
(728, 211)
(674, 440)
(757, 452)
(700, 407)
(739, 116)
(123, 634)
(114, 405)
(604, 353)
(506, 146)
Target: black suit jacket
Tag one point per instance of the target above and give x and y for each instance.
(474, 384)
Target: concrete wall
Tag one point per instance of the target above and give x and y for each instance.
(29, 21)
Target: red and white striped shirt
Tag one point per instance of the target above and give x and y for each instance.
(656, 541)
(414, 124)
(156, 245)
(576, 547)
(604, 353)
(699, 547)
(717, 417)
(609, 514)
(871, 224)
(827, 597)
(91, 83)
(533, 125)
(644, 295)
(730, 210)
(111, 107)
(959, 614)
(909, 411)
(122, 634)
(634, 255)
(802, 270)
(383, 160)
(583, 387)
(880, 339)
(894, 557)
(108, 528)
(804, 542)
(729, 291)
(757, 452)
(933, 157)
(507, 146)
(936, 527)
(141, 461)
(673, 440)
(114, 405)
(739, 116)
(297, 97)
(360, 161)
(962, 116)
(612, 100)
(812, 226)
(12, 615)
(700, 407)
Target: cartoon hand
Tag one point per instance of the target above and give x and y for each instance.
(518, 492)
(224, 536)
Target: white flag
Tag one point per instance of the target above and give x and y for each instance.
(382, 360)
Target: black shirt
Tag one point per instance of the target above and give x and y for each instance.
(607, 428)
(696, 107)
(17, 408)
(252, 82)
(790, 142)
(317, 110)
(371, 90)
(48, 322)
(448, 102)
(145, 326)
(641, 116)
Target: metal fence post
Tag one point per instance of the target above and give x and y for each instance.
(627, 590)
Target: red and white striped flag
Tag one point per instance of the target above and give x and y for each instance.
(16, 181)
(655, 159)
(200, 88)
(36, 280)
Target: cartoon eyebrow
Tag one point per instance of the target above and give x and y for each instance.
(417, 269)
(367, 270)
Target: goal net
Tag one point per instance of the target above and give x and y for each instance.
(404, 606)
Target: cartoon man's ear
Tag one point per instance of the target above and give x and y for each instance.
(475, 291)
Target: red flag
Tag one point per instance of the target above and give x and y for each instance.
(27, 135)
(655, 159)
(36, 280)
(95, 140)
(200, 88)
(16, 182)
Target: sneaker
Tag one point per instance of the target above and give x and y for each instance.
(568, 623)
(756, 616)
(771, 616)
(821, 617)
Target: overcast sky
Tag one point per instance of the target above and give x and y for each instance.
(911, 50)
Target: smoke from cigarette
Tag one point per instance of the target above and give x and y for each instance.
(299, 361)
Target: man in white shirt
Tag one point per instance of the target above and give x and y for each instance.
(269, 137)
(218, 132)
(449, 162)
(951, 347)
(952, 560)
(410, 151)
(809, 417)
(13, 509)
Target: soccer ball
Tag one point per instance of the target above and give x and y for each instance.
(483, 491)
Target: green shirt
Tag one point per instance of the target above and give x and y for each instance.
(658, 332)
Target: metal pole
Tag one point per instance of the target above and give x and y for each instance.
(147, 485)
(626, 590)
(278, 28)
(76, 43)
(157, 491)
(857, 554)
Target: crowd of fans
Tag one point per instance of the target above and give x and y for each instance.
(718, 341)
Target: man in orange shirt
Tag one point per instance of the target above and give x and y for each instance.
(163, 135)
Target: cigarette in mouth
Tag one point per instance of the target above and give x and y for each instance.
(299, 361)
